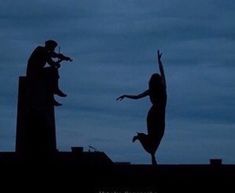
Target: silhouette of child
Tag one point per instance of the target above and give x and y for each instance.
(156, 115)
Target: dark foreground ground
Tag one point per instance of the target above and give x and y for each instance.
(71, 175)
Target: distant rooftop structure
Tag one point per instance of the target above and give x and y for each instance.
(215, 162)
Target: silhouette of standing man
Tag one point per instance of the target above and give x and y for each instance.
(38, 74)
(156, 115)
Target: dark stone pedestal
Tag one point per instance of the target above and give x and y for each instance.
(36, 132)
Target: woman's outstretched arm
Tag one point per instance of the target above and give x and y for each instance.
(159, 55)
(141, 95)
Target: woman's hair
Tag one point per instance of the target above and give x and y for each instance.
(155, 81)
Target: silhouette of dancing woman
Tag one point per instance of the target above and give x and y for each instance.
(156, 115)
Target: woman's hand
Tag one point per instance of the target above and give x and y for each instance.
(121, 98)
(159, 55)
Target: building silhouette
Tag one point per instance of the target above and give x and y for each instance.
(37, 163)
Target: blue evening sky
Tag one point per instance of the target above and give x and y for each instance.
(113, 44)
